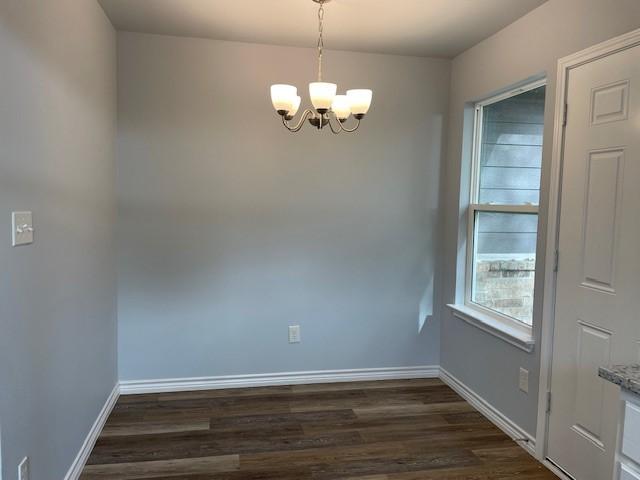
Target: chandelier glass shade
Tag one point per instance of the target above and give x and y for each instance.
(329, 108)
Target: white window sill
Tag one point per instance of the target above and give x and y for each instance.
(517, 337)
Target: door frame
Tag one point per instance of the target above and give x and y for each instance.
(565, 65)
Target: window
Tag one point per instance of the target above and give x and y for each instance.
(503, 210)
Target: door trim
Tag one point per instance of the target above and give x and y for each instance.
(565, 65)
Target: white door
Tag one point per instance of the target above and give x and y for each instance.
(597, 318)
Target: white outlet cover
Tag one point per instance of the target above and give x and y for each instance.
(22, 228)
(294, 334)
(524, 380)
(23, 469)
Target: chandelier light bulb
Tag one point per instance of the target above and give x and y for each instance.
(341, 107)
(360, 100)
(322, 95)
(295, 106)
(283, 97)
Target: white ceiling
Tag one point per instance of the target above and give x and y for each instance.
(439, 28)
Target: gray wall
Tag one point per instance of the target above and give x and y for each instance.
(231, 228)
(57, 296)
(528, 47)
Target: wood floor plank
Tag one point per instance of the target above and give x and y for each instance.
(142, 448)
(307, 459)
(403, 463)
(445, 434)
(369, 477)
(326, 387)
(291, 474)
(141, 397)
(174, 467)
(388, 430)
(114, 429)
(227, 392)
(483, 472)
(387, 423)
(240, 423)
(464, 418)
(412, 409)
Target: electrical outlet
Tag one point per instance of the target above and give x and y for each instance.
(23, 469)
(524, 380)
(294, 334)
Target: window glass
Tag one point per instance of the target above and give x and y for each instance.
(504, 263)
(511, 149)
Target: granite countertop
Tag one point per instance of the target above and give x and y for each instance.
(627, 376)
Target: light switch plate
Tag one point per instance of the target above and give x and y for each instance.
(22, 228)
(294, 334)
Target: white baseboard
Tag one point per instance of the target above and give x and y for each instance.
(128, 387)
(556, 470)
(505, 424)
(83, 455)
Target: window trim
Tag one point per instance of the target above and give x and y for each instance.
(503, 326)
(516, 335)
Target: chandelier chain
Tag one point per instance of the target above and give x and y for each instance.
(320, 39)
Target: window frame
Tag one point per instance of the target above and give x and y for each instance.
(475, 207)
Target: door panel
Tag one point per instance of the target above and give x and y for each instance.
(603, 196)
(594, 348)
(597, 319)
(610, 103)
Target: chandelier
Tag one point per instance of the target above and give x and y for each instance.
(328, 108)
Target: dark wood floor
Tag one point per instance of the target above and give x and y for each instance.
(392, 430)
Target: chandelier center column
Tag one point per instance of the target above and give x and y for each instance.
(320, 38)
